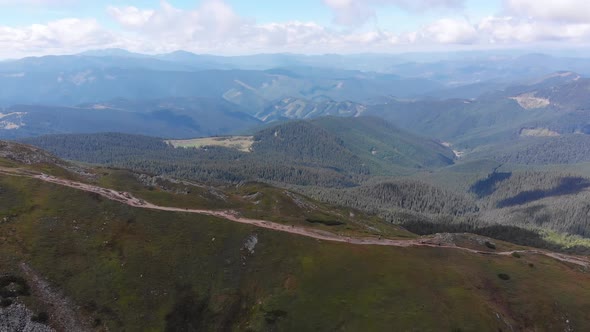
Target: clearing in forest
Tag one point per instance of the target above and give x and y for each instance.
(242, 143)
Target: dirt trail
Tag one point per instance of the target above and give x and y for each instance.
(127, 198)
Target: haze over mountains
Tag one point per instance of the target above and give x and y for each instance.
(211, 95)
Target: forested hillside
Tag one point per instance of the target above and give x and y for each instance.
(324, 153)
(307, 143)
(388, 197)
(386, 144)
(213, 164)
(567, 149)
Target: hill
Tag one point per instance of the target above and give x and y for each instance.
(464, 123)
(172, 118)
(355, 165)
(206, 164)
(555, 103)
(387, 145)
(542, 150)
(210, 273)
(331, 152)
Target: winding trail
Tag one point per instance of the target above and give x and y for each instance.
(130, 200)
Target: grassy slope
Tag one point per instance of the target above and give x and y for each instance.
(139, 270)
(255, 200)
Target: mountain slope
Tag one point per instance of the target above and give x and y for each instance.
(173, 118)
(373, 139)
(543, 150)
(377, 145)
(327, 152)
(306, 143)
(125, 268)
(557, 102)
(206, 164)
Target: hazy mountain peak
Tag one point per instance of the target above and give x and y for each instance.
(113, 52)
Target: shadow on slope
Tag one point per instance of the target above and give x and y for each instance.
(567, 186)
(512, 234)
(487, 186)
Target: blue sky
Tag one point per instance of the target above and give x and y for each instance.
(264, 11)
(35, 27)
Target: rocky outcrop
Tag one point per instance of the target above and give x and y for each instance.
(18, 318)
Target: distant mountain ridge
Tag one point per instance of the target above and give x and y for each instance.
(71, 80)
(172, 118)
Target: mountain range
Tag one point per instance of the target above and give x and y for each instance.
(283, 192)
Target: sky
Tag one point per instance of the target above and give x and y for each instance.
(234, 27)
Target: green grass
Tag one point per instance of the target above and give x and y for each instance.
(256, 201)
(565, 240)
(7, 163)
(140, 270)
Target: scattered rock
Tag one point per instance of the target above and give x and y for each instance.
(62, 312)
(253, 196)
(251, 243)
(218, 194)
(300, 202)
(165, 184)
(17, 317)
(490, 245)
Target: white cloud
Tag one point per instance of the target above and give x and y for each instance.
(553, 10)
(59, 36)
(356, 12)
(130, 17)
(350, 12)
(450, 31)
(214, 27)
(211, 23)
(519, 31)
